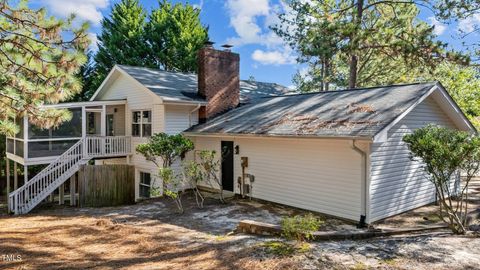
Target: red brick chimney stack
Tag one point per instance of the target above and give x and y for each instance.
(218, 80)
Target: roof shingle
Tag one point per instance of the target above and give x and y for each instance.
(178, 86)
(346, 113)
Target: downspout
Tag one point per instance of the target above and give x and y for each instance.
(190, 114)
(363, 217)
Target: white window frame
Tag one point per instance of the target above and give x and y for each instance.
(141, 123)
(140, 184)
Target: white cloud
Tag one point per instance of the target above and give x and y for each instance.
(199, 5)
(469, 24)
(275, 57)
(93, 38)
(244, 18)
(438, 27)
(85, 10)
(251, 20)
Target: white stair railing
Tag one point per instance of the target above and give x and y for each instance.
(25, 198)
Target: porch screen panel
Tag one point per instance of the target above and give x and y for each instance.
(72, 128)
(48, 148)
(11, 146)
(55, 141)
(68, 129)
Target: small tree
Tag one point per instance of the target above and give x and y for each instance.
(444, 153)
(168, 148)
(211, 166)
(193, 174)
(172, 186)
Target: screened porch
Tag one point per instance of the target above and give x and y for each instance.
(34, 145)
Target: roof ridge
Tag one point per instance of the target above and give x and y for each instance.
(191, 73)
(354, 89)
(158, 69)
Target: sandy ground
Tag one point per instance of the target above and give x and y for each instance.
(151, 235)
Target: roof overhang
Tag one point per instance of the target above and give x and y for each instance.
(171, 101)
(85, 104)
(446, 103)
(112, 75)
(284, 136)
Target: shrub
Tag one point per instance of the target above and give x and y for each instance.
(444, 154)
(192, 172)
(169, 148)
(172, 186)
(300, 228)
(211, 166)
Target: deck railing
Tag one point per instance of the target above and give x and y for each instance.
(25, 198)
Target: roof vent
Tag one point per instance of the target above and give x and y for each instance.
(227, 47)
(208, 44)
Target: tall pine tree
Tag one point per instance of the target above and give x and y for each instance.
(37, 65)
(356, 43)
(175, 34)
(122, 40)
(169, 39)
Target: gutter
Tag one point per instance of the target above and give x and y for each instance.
(253, 135)
(363, 217)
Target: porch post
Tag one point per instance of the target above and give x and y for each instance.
(25, 138)
(25, 174)
(72, 190)
(7, 173)
(103, 121)
(15, 176)
(61, 194)
(84, 122)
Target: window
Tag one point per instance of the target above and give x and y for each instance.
(142, 124)
(144, 185)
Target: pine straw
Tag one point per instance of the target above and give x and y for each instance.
(82, 242)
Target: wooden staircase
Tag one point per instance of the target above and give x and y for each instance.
(25, 198)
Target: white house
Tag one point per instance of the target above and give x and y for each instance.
(339, 152)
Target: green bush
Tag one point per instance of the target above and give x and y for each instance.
(444, 153)
(300, 228)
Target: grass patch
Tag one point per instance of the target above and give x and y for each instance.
(359, 266)
(280, 248)
(391, 262)
(432, 218)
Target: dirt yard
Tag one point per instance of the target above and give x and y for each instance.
(150, 235)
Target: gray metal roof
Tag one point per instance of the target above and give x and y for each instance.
(347, 113)
(178, 86)
(253, 90)
(169, 85)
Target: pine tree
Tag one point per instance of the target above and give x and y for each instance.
(169, 40)
(122, 40)
(37, 65)
(175, 34)
(356, 43)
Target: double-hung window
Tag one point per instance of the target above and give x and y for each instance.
(145, 182)
(142, 123)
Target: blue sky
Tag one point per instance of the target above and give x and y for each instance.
(243, 23)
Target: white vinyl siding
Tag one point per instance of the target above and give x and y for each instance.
(123, 87)
(171, 119)
(177, 118)
(398, 184)
(313, 174)
(111, 161)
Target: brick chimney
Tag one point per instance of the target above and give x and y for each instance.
(218, 80)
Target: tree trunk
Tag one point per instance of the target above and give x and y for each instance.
(352, 77)
(357, 20)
